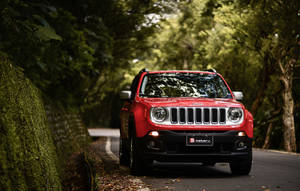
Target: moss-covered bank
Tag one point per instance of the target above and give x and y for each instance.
(68, 132)
(28, 160)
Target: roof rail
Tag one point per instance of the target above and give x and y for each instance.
(144, 70)
(211, 70)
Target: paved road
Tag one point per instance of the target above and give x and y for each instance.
(271, 171)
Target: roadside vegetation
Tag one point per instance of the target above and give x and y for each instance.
(78, 55)
(255, 46)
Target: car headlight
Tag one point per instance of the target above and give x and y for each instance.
(235, 114)
(159, 114)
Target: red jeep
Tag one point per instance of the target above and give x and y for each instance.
(184, 116)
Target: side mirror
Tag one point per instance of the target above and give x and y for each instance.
(125, 95)
(238, 96)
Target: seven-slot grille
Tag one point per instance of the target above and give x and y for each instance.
(197, 115)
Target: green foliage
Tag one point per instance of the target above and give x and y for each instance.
(46, 42)
(28, 159)
(232, 37)
(76, 54)
(207, 34)
(46, 33)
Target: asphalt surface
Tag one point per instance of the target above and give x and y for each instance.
(271, 171)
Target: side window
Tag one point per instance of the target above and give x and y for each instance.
(144, 83)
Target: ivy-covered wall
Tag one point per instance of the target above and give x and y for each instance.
(28, 160)
(68, 132)
(35, 143)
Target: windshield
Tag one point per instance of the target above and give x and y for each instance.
(184, 85)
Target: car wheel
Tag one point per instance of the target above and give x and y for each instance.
(242, 167)
(123, 153)
(135, 163)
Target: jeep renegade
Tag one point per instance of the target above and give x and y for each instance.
(184, 116)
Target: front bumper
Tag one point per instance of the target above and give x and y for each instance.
(171, 146)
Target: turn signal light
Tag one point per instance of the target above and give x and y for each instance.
(154, 133)
(241, 134)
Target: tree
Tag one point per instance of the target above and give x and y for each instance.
(71, 52)
(252, 53)
(280, 29)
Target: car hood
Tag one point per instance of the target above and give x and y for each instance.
(191, 102)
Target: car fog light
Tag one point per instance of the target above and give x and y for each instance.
(241, 144)
(151, 144)
(154, 133)
(241, 134)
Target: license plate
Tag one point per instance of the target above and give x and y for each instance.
(199, 141)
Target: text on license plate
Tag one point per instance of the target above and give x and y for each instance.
(200, 140)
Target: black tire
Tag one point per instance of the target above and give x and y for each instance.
(242, 167)
(135, 163)
(123, 153)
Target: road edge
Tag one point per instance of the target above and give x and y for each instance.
(277, 151)
(115, 158)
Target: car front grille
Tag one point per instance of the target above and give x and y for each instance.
(197, 115)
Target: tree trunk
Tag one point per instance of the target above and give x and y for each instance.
(265, 78)
(261, 92)
(185, 64)
(268, 136)
(288, 106)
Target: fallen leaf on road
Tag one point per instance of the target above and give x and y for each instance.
(265, 188)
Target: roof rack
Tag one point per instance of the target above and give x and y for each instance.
(144, 70)
(211, 70)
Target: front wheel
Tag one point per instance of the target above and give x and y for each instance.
(135, 163)
(242, 167)
(123, 153)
